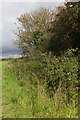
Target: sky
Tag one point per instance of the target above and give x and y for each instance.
(9, 11)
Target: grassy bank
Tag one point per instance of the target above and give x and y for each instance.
(24, 96)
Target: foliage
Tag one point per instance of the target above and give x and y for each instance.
(65, 29)
(25, 95)
(47, 30)
(49, 78)
(53, 71)
(59, 72)
(32, 30)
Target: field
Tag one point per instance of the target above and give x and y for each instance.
(24, 98)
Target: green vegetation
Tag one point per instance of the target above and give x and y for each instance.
(27, 91)
(0, 88)
(45, 82)
(48, 30)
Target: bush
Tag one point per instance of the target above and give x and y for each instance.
(59, 72)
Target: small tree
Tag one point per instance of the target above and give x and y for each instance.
(65, 29)
(45, 30)
(33, 30)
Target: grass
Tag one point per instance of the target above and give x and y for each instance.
(0, 88)
(24, 98)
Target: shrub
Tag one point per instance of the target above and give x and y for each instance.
(59, 72)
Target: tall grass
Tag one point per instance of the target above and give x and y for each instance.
(0, 88)
(41, 88)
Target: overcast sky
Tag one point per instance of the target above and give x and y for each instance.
(9, 11)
